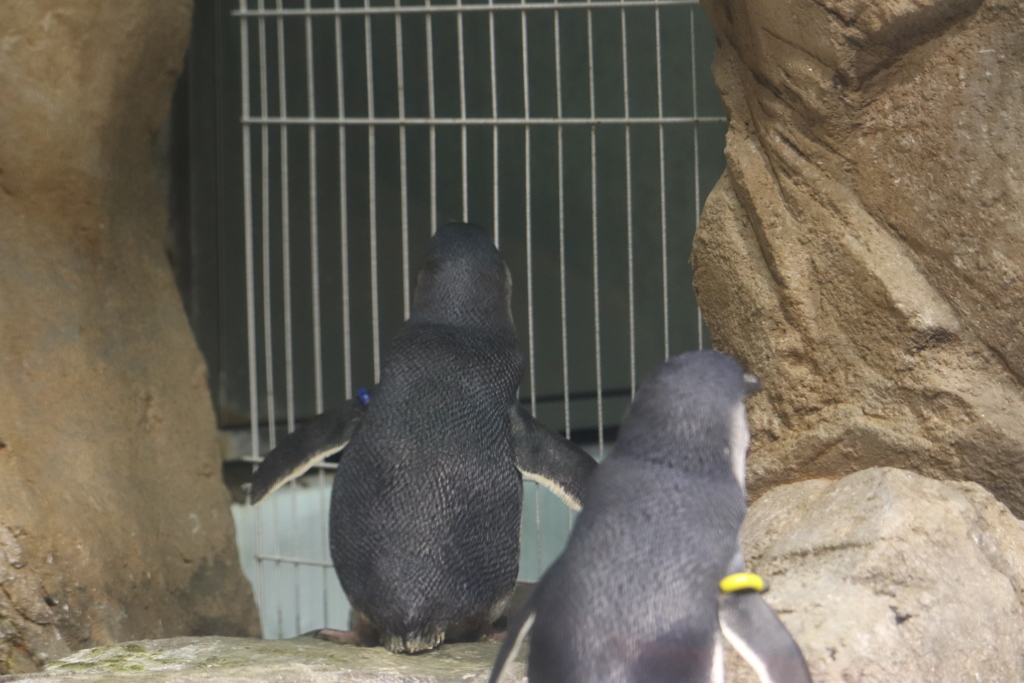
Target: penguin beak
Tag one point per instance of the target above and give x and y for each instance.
(751, 384)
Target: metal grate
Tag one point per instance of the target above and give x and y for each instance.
(581, 133)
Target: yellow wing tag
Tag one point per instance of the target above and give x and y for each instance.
(743, 581)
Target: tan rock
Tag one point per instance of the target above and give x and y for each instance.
(28, 632)
(110, 491)
(888, 576)
(864, 251)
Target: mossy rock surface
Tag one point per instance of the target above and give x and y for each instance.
(301, 659)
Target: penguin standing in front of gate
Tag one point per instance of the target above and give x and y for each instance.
(652, 574)
(427, 498)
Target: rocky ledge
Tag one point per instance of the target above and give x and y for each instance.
(248, 660)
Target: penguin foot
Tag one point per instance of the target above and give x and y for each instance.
(341, 637)
(493, 632)
(420, 643)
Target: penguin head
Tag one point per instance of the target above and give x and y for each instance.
(464, 281)
(689, 414)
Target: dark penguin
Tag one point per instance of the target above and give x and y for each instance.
(636, 595)
(427, 498)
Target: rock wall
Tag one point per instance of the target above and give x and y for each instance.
(114, 523)
(886, 575)
(864, 251)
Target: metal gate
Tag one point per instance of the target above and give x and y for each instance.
(584, 134)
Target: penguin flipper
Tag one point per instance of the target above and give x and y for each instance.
(753, 628)
(548, 458)
(518, 628)
(318, 439)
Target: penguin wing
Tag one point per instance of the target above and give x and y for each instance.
(548, 458)
(518, 628)
(321, 437)
(753, 628)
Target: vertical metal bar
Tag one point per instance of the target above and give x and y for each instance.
(286, 260)
(696, 156)
(372, 172)
(593, 220)
(250, 289)
(529, 267)
(346, 311)
(403, 163)
(700, 329)
(561, 239)
(661, 179)
(267, 321)
(268, 347)
(345, 302)
(561, 227)
(494, 129)
(314, 241)
(286, 248)
(314, 250)
(462, 109)
(529, 217)
(433, 128)
(629, 212)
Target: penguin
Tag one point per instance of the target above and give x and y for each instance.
(427, 498)
(652, 575)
